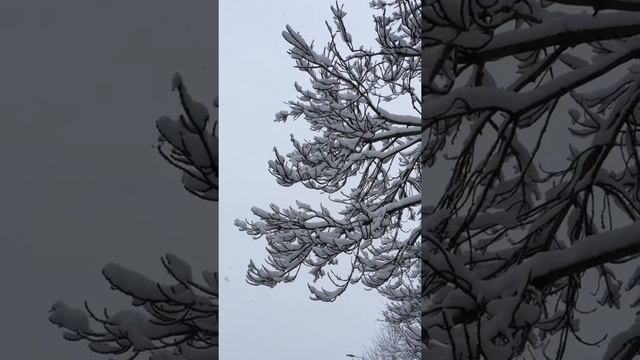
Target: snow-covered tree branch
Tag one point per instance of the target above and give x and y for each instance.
(190, 144)
(365, 157)
(176, 321)
(508, 244)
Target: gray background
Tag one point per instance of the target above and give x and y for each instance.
(83, 82)
(256, 78)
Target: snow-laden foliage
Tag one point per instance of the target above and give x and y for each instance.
(516, 233)
(366, 157)
(190, 143)
(168, 321)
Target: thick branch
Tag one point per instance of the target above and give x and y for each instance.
(549, 266)
(569, 30)
(591, 251)
(466, 100)
(625, 5)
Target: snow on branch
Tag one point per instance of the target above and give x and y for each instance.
(566, 30)
(168, 322)
(626, 5)
(512, 228)
(365, 155)
(190, 144)
(175, 321)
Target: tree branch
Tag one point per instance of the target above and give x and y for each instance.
(569, 30)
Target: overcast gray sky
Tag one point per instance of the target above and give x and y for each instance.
(83, 82)
(256, 78)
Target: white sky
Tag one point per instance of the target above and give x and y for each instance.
(256, 78)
